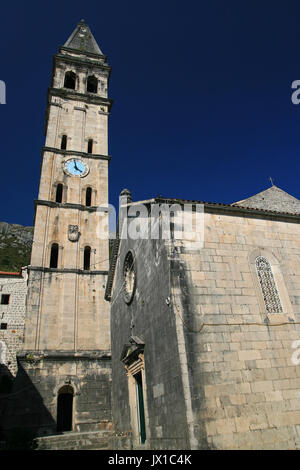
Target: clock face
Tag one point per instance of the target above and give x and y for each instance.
(76, 167)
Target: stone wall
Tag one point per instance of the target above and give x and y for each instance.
(13, 315)
(154, 323)
(219, 368)
(33, 401)
(243, 375)
(73, 315)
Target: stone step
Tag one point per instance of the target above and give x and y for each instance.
(95, 440)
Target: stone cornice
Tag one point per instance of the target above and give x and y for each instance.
(73, 95)
(86, 55)
(69, 94)
(76, 153)
(35, 356)
(69, 205)
(84, 63)
(66, 270)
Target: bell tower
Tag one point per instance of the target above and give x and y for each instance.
(67, 330)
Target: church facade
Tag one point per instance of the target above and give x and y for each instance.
(170, 342)
(211, 329)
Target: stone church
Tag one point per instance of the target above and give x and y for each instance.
(164, 343)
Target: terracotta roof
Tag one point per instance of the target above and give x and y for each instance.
(6, 273)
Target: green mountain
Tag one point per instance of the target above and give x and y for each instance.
(15, 246)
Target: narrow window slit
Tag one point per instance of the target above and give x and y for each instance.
(59, 193)
(90, 146)
(87, 258)
(54, 256)
(63, 144)
(88, 196)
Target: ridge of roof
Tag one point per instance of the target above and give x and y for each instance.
(221, 204)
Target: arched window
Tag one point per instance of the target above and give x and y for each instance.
(92, 84)
(65, 409)
(88, 196)
(70, 80)
(90, 146)
(54, 255)
(59, 193)
(268, 286)
(63, 144)
(87, 258)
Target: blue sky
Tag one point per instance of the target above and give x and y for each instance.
(202, 96)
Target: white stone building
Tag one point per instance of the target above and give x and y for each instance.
(13, 290)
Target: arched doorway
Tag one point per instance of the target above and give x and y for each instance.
(65, 409)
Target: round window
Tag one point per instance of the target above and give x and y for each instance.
(129, 275)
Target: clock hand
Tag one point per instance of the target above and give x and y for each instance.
(76, 167)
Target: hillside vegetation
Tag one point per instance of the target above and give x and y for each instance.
(15, 246)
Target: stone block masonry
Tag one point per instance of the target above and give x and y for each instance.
(219, 330)
(41, 376)
(13, 291)
(240, 362)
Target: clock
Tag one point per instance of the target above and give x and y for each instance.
(76, 167)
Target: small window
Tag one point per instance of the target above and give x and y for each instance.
(59, 193)
(70, 80)
(92, 84)
(90, 146)
(88, 197)
(5, 298)
(54, 256)
(63, 144)
(87, 258)
(3, 326)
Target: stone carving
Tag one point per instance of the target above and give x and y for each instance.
(73, 233)
(268, 286)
